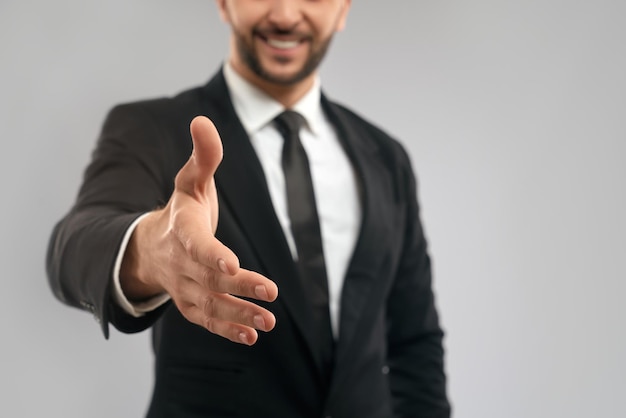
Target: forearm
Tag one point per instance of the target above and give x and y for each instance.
(81, 258)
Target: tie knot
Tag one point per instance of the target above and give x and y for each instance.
(289, 122)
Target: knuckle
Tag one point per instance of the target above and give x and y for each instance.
(240, 287)
(209, 324)
(246, 316)
(171, 255)
(176, 219)
(190, 249)
(177, 233)
(208, 278)
(174, 259)
(210, 307)
(172, 234)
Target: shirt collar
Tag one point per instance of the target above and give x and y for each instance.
(256, 109)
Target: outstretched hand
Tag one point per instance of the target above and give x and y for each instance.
(174, 250)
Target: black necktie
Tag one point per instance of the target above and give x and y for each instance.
(305, 228)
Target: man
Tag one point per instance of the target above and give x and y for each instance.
(364, 341)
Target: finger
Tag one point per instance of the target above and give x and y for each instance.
(197, 174)
(234, 332)
(244, 283)
(224, 307)
(222, 314)
(206, 142)
(247, 284)
(221, 309)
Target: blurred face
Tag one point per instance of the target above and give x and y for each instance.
(281, 42)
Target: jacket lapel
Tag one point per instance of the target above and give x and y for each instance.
(362, 294)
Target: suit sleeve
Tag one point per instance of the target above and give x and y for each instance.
(415, 350)
(127, 176)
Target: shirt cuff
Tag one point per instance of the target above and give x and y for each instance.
(134, 309)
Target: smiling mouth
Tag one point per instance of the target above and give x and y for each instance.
(282, 40)
(282, 44)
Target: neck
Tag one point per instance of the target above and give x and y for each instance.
(287, 95)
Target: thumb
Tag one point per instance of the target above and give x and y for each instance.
(207, 145)
(197, 174)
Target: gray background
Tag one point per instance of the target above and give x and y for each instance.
(513, 113)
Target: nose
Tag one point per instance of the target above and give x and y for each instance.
(285, 14)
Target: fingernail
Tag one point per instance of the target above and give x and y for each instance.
(221, 264)
(243, 337)
(261, 292)
(259, 322)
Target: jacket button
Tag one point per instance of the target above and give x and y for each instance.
(385, 370)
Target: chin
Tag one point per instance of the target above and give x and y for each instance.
(286, 75)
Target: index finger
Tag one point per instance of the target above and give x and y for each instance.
(244, 283)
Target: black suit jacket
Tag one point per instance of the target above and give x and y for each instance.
(389, 356)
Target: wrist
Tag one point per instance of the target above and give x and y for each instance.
(138, 283)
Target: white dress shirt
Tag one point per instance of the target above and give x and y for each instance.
(334, 182)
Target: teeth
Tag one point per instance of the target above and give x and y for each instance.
(276, 43)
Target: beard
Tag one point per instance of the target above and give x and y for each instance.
(251, 60)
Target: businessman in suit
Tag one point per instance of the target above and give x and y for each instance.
(191, 224)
